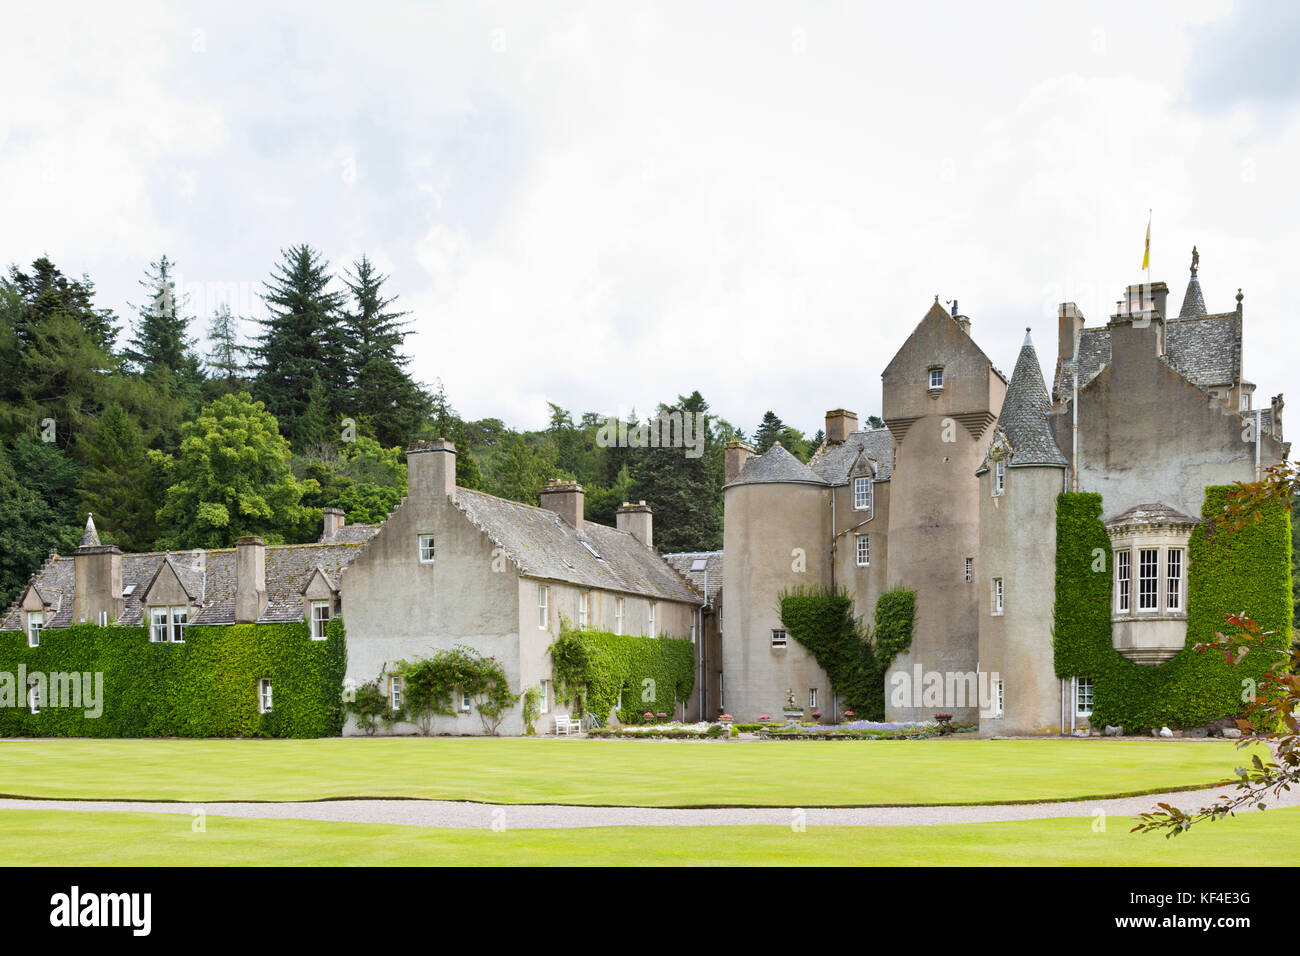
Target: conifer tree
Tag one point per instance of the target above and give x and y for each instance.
(160, 335)
(227, 356)
(301, 339)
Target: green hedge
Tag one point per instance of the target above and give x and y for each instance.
(591, 668)
(204, 687)
(1228, 572)
(822, 620)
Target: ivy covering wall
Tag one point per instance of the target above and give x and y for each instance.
(1228, 572)
(591, 669)
(823, 621)
(204, 687)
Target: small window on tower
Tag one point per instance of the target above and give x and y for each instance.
(936, 378)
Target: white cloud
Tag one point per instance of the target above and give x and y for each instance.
(606, 205)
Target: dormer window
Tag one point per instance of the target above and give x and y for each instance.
(35, 622)
(320, 617)
(167, 624)
(936, 378)
(861, 494)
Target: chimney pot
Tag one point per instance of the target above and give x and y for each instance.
(638, 520)
(840, 423)
(431, 468)
(566, 499)
(250, 579)
(735, 454)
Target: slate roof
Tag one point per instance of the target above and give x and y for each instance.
(352, 534)
(544, 545)
(833, 462)
(1023, 419)
(1206, 351)
(207, 575)
(1193, 301)
(710, 577)
(1150, 514)
(774, 466)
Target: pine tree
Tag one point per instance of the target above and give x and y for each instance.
(683, 491)
(769, 432)
(160, 338)
(114, 481)
(227, 356)
(301, 339)
(47, 293)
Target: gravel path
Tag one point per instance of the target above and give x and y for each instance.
(446, 813)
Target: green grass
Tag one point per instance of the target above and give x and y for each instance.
(633, 773)
(70, 838)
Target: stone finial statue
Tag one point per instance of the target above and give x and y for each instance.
(1196, 260)
(789, 698)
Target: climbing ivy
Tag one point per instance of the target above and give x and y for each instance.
(592, 668)
(206, 686)
(1228, 572)
(823, 621)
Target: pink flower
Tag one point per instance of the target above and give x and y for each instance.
(764, 717)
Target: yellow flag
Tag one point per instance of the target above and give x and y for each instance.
(1146, 255)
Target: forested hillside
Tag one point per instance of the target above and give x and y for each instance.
(177, 433)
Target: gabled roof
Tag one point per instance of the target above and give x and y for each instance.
(352, 534)
(544, 545)
(833, 462)
(709, 576)
(776, 466)
(1023, 419)
(208, 576)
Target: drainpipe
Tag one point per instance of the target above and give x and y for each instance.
(1062, 706)
(1073, 696)
(1259, 437)
(1074, 424)
(834, 536)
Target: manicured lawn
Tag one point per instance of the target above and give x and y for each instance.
(632, 773)
(69, 838)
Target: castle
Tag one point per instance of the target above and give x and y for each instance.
(955, 499)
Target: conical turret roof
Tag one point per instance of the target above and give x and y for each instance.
(1023, 419)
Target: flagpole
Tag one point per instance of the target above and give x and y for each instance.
(1148, 256)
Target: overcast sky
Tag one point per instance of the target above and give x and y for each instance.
(605, 205)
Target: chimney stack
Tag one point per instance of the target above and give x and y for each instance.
(250, 579)
(734, 455)
(1069, 323)
(962, 320)
(840, 424)
(638, 520)
(565, 498)
(431, 469)
(97, 579)
(334, 518)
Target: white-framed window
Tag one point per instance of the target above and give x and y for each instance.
(34, 698)
(720, 695)
(1148, 579)
(584, 608)
(812, 698)
(998, 596)
(1245, 402)
(653, 608)
(264, 695)
(1083, 696)
(936, 378)
(543, 607)
(545, 702)
(168, 624)
(1174, 579)
(426, 549)
(970, 570)
(395, 687)
(692, 630)
(999, 477)
(864, 550)
(1001, 698)
(779, 637)
(1123, 580)
(861, 494)
(320, 616)
(620, 614)
(464, 702)
(35, 621)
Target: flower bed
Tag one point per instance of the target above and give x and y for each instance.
(860, 730)
(666, 731)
